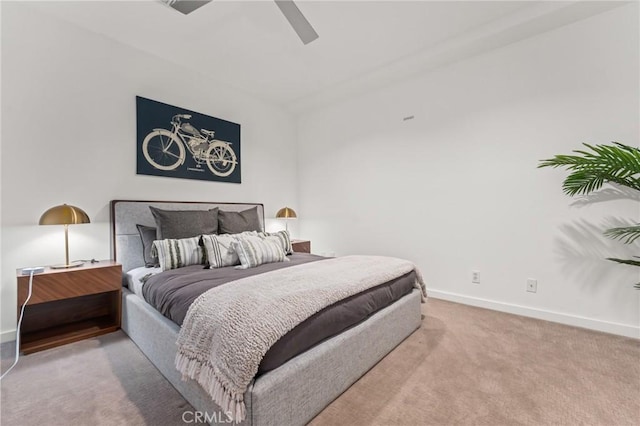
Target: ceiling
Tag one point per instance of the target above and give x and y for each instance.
(250, 46)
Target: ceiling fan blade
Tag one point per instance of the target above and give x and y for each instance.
(297, 20)
(185, 6)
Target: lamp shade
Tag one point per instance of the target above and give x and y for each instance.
(64, 215)
(286, 213)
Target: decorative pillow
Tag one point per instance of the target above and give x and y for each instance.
(253, 252)
(280, 237)
(174, 254)
(219, 248)
(177, 224)
(237, 222)
(148, 235)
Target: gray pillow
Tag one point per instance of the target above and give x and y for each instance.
(237, 222)
(147, 235)
(177, 224)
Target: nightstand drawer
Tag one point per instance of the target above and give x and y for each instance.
(67, 283)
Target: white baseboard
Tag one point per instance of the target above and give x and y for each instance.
(8, 336)
(574, 320)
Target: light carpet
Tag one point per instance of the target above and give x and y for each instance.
(464, 366)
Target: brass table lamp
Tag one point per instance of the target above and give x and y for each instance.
(287, 214)
(64, 215)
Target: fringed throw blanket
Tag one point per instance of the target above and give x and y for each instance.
(229, 329)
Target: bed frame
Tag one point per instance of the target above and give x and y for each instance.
(289, 395)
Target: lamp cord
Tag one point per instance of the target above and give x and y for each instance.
(19, 325)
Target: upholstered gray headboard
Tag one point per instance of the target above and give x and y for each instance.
(126, 245)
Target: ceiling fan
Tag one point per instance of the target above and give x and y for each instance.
(300, 25)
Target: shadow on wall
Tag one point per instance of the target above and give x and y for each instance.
(583, 250)
(615, 193)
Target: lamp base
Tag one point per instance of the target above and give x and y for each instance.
(70, 265)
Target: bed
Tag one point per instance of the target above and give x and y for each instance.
(294, 392)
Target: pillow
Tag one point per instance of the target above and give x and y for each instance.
(236, 222)
(219, 248)
(148, 235)
(253, 252)
(281, 237)
(173, 254)
(177, 224)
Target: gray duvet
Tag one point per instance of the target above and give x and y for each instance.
(172, 293)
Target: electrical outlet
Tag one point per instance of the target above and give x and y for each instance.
(475, 277)
(532, 285)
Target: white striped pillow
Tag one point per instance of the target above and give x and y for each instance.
(174, 254)
(220, 251)
(280, 237)
(253, 252)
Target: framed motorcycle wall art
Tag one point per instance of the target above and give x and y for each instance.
(180, 143)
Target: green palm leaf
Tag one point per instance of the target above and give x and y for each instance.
(625, 261)
(590, 170)
(627, 234)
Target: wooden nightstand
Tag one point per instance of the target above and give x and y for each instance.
(301, 246)
(72, 304)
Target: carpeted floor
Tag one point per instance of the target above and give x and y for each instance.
(464, 366)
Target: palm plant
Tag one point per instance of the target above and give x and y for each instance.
(589, 170)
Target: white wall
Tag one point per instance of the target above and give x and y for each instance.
(69, 136)
(457, 188)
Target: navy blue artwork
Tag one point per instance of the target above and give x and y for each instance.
(177, 142)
